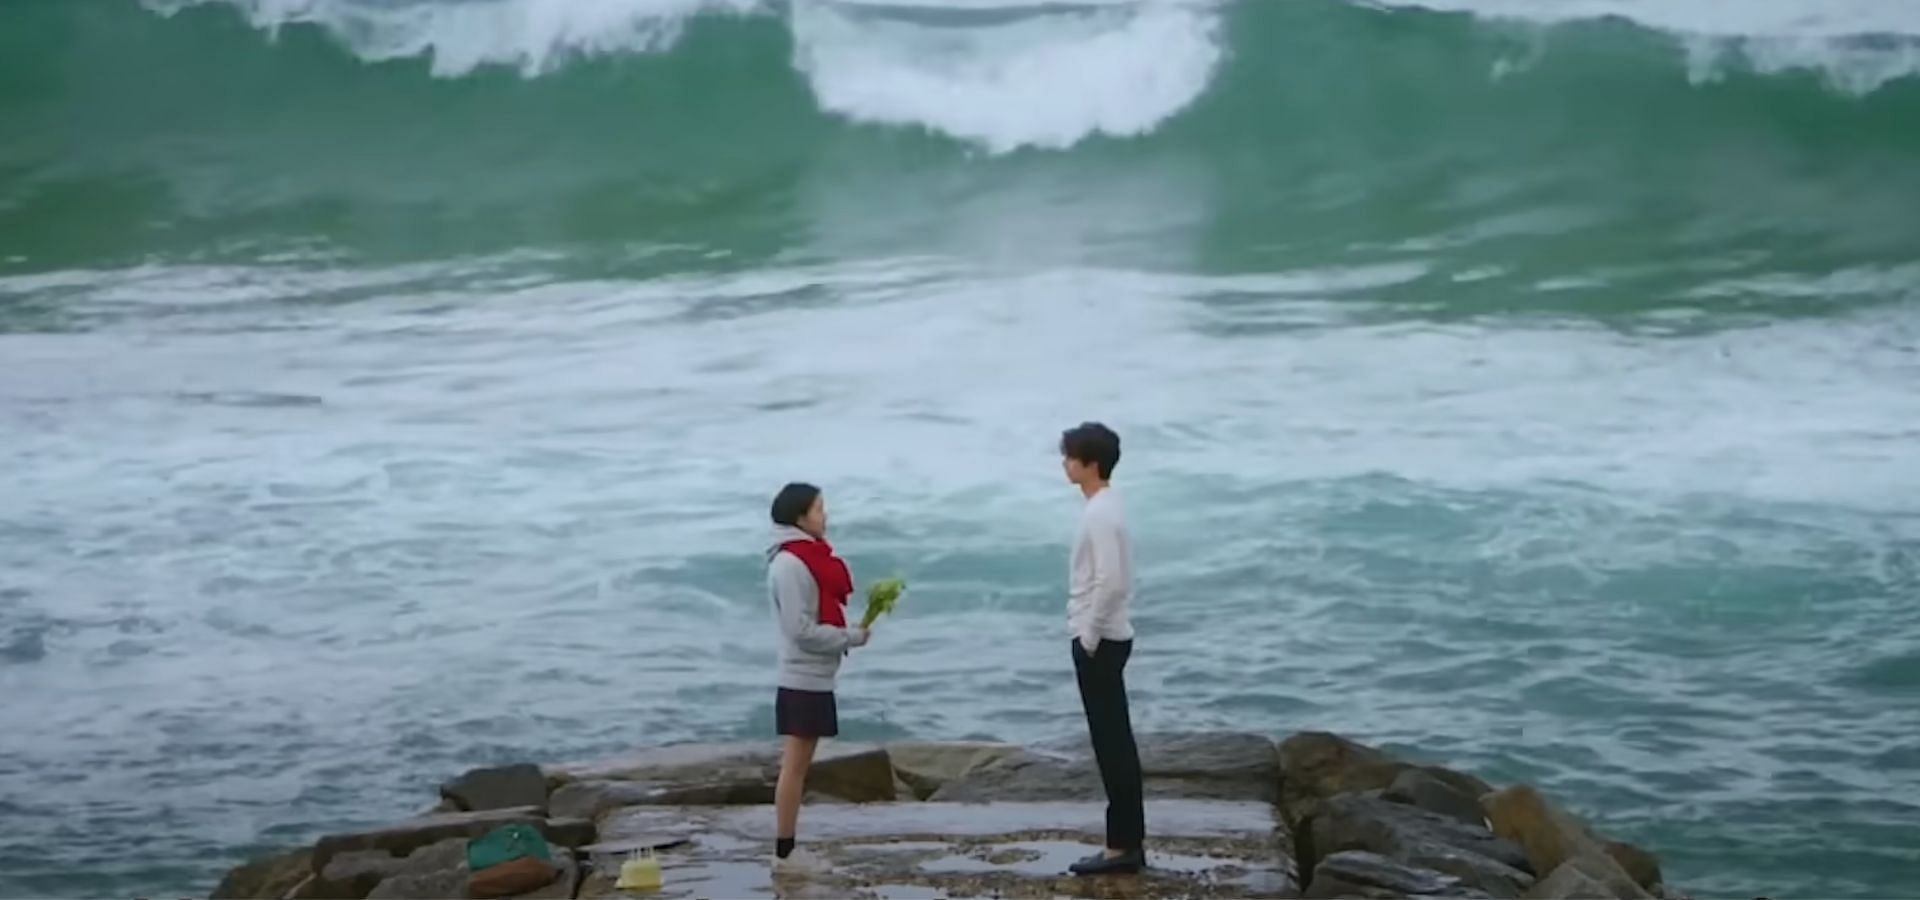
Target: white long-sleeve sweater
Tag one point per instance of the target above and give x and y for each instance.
(1100, 583)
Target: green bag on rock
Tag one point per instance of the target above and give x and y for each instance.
(506, 844)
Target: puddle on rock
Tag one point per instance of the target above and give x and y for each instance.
(1045, 859)
(1172, 818)
(906, 892)
(718, 842)
(903, 847)
(690, 880)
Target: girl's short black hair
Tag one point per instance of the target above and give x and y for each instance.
(1092, 443)
(792, 502)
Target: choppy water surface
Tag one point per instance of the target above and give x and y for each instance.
(392, 388)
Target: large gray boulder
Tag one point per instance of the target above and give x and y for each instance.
(926, 768)
(1316, 765)
(1418, 787)
(1356, 873)
(502, 787)
(1551, 837)
(1587, 877)
(437, 870)
(1422, 839)
(353, 875)
(266, 878)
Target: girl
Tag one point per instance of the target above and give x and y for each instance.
(809, 587)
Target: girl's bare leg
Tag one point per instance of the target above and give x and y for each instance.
(796, 759)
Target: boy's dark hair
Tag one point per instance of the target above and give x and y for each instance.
(1093, 443)
(792, 502)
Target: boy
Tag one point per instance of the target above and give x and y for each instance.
(1099, 594)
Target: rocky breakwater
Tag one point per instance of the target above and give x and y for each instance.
(1231, 815)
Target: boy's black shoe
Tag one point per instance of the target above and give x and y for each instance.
(1128, 863)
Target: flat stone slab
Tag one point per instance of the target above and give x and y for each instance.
(1199, 848)
(405, 837)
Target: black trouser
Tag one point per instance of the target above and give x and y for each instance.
(1103, 692)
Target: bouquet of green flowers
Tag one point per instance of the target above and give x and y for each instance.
(880, 600)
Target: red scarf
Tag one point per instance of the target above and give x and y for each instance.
(830, 573)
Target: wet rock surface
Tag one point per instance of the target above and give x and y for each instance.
(1201, 848)
(1230, 815)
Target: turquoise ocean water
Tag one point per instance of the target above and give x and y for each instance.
(393, 386)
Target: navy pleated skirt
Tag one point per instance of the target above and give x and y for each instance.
(806, 714)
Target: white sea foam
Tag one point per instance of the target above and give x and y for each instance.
(536, 36)
(1008, 74)
(1048, 79)
(1857, 45)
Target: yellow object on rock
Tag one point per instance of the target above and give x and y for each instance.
(641, 873)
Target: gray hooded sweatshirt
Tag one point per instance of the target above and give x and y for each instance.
(810, 652)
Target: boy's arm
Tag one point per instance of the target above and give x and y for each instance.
(1103, 589)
